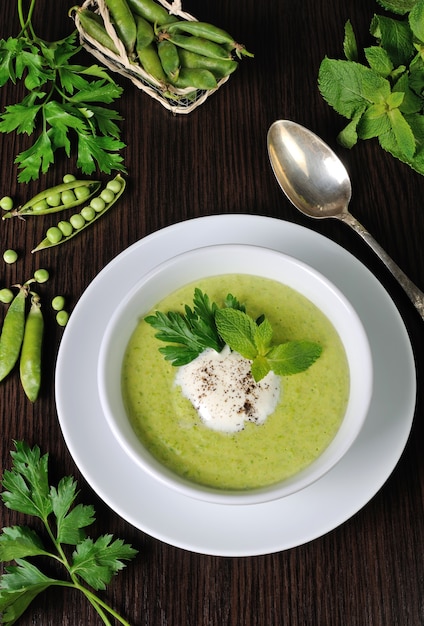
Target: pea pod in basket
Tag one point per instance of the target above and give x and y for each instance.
(58, 198)
(98, 206)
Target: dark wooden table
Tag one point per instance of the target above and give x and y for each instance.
(367, 572)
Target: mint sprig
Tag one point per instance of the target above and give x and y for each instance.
(381, 89)
(27, 490)
(241, 333)
(209, 326)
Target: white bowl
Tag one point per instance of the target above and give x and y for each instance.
(235, 259)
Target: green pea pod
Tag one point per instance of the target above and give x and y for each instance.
(200, 46)
(149, 60)
(12, 333)
(196, 78)
(218, 67)
(199, 29)
(93, 25)
(206, 31)
(168, 55)
(145, 32)
(30, 361)
(101, 207)
(124, 22)
(39, 204)
(151, 11)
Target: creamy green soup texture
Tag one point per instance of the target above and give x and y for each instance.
(309, 413)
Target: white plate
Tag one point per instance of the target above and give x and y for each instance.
(231, 530)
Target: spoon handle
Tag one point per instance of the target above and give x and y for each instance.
(415, 295)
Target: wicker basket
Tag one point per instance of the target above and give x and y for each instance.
(177, 101)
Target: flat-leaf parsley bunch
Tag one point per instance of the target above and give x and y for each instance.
(27, 490)
(64, 104)
(382, 91)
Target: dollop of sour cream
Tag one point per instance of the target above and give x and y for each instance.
(223, 391)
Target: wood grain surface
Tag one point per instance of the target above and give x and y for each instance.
(370, 570)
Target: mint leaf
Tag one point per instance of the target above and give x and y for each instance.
(395, 37)
(350, 47)
(350, 87)
(397, 6)
(416, 20)
(293, 357)
(379, 60)
(263, 336)
(402, 132)
(238, 331)
(260, 368)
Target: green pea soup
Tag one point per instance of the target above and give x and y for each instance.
(309, 413)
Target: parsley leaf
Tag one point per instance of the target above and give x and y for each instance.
(65, 101)
(382, 96)
(27, 490)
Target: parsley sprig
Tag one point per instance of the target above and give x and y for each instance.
(381, 91)
(209, 326)
(27, 490)
(64, 104)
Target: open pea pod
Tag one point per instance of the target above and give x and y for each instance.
(58, 198)
(98, 206)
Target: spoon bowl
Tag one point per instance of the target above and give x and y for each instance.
(310, 174)
(316, 182)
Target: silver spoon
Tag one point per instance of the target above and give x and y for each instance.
(317, 183)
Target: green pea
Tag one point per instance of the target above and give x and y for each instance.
(88, 213)
(41, 275)
(6, 203)
(77, 221)
(114, 185)
(68, 197)
(58, 303)
(30, 361)
(53, 199)
(65, 227)
(82, 192)
(98, 204)
(107, 195)
(40, 206)
(12, 333)
(69, 178)
(62, 317)
(6, 295)
(10, 256)
(54, 234)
